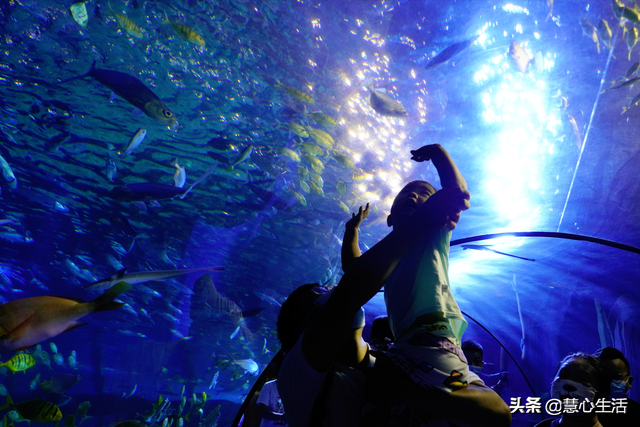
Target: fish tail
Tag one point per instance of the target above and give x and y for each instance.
(106, 301)
(202, 178)
(624, 110)
(368, 83)
(229, 169)
(89, 73)
(9, 403)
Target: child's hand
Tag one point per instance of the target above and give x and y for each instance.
(356, 219)
(425, 153)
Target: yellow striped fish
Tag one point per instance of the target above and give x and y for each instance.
(19, 362)
(321, 137)
(36, 410)
(127, 24)
(322, 119)
(298, 130)
(185, 32)
(300, 198)
(297, 94)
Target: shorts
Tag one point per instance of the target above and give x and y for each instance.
(431, 361)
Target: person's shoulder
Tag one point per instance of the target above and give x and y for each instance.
(272, 383)
(633, 403)
(633, 410)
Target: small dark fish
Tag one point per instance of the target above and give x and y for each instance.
(60, 383)
(269, 197)
(97, 13)
(632, 70)
(219, 143)
(486, 248)
(634, 101)
(252, 312)
(149, 191)
(450, 52)
(56, 142)
(622, 85)
(133, 91)
(123, 224)
(146, 192)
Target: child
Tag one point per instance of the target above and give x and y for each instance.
(424, 317)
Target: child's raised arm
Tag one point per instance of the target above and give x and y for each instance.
(450, 176)
(350, 248)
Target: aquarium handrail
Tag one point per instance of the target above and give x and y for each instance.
(550, 234)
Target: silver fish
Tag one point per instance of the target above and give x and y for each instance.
(8, 174)
(180, 175)
(133, 91)
(112, 170)
(144, 276)
(241, 158)
(383, 103)
(214, 380)
(135, 142)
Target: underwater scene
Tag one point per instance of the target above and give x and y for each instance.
(173, 170)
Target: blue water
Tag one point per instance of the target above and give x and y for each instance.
(542, 150)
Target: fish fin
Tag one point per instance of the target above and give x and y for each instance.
(120, 274)
(229, 169)
(166, 19)
(252, 312)
(141, 205)
(136, 111)
(202, 178)
(105, 301)
(155, 204)
(368, 83)
(88, 74)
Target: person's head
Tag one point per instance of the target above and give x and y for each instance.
(300, 308)
(295, 314)
(618, 367)
(474, 354)
(408, 200)
(380, 330)
(581, 375)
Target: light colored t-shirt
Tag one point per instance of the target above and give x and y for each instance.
(299, 385)
(420, 285)
(269, 396)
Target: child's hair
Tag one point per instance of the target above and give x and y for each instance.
(380, 329)
(293, 313)
(603, 390)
